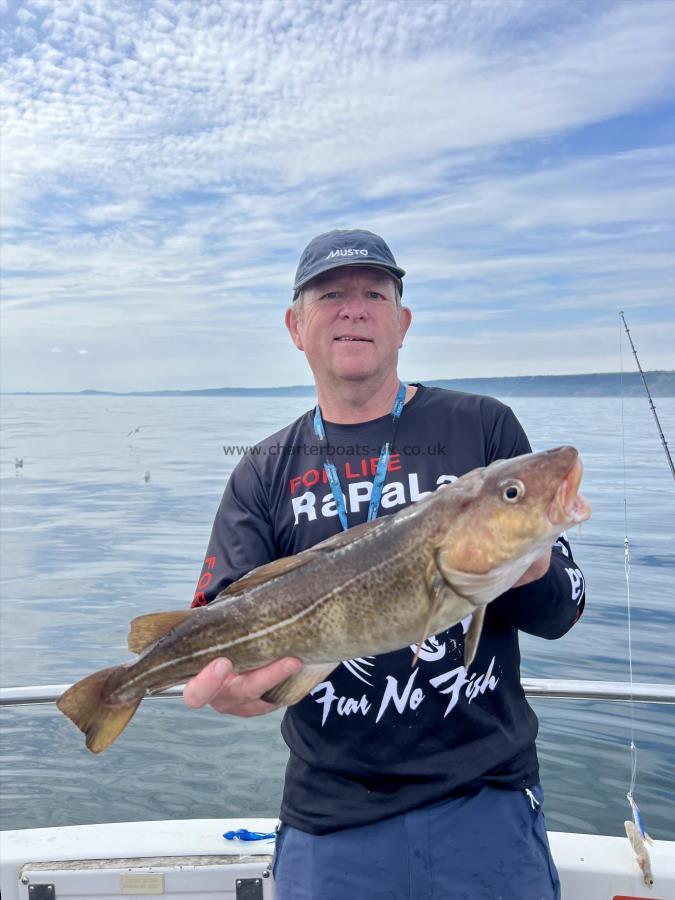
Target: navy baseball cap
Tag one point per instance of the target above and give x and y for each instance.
(347, 247)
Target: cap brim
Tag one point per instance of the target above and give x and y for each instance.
(339, 263)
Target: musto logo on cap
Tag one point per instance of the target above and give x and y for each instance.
(350, 252)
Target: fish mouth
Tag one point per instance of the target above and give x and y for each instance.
(569, 507)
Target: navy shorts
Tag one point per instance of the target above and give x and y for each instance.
(489, 846)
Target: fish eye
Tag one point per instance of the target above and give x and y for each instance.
(513, 491)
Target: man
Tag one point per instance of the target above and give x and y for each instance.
(402, 782)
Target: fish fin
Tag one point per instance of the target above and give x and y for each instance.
(343, 538)
(297, 686)
(84, 705)
(472, 637)
(481, 588)
(425, 633)
(477, 587)
(436, 588)
(145, 630)
(263, 574)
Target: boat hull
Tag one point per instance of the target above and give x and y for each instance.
(189, 860)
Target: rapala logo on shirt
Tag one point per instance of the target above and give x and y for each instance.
(205, 579)
(349, 252)
(396, 493)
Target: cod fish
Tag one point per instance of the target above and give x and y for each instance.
(378, 587)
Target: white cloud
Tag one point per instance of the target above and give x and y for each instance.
(108, 212)
(231, 92)
(491, 353)
(164, 162)
(25, 16)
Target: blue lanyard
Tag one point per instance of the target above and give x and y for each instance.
(380, 472)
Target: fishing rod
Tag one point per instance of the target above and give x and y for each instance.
(651, 402)
(635, 831)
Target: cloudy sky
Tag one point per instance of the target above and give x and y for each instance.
(163, 164)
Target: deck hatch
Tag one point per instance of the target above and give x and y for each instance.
(249, 889)
(41, 892)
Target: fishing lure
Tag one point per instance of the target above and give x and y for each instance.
(639, 839)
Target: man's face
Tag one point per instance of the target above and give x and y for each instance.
(349, 325)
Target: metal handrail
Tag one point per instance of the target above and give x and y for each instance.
(536, 688)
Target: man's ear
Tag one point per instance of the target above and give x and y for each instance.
(404, 320)
(292, 324)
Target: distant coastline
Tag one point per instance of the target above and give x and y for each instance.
(603, 384)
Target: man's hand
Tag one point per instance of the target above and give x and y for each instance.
(537, 570)
(237, 695)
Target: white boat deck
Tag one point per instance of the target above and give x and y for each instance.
(190, 860)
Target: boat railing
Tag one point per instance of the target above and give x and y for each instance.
(535, 688)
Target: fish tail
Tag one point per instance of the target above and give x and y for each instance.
(101, 721)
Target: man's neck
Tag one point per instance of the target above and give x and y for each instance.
(349, 403)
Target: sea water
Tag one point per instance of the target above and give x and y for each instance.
(109, 517)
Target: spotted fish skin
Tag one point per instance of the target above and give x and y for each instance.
(375, 588)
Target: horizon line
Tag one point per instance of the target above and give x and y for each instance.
(312, 387)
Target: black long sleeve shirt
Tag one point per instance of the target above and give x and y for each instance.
(379, 737)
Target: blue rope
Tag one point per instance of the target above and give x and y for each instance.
(243, 834)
